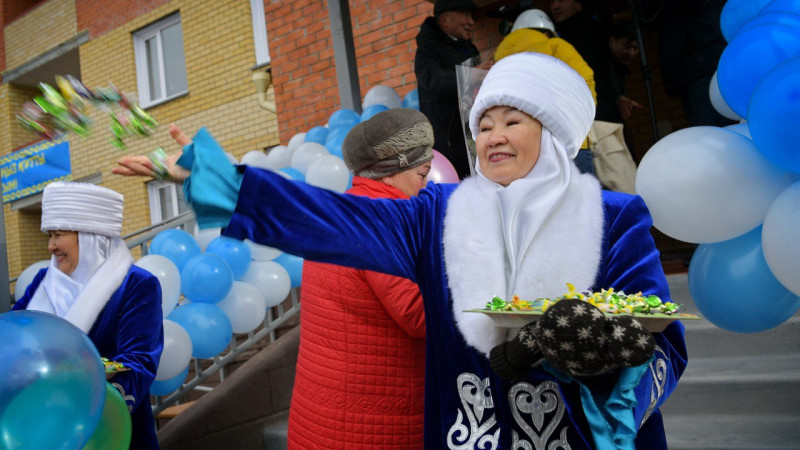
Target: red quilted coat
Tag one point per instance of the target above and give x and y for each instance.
(361, 365)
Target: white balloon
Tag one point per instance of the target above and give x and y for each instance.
(260, 252)
(177, 351)
(296, 140)
(329, 172)
(168, 276)
(279, 157)
(256, 158)
(718, 102)
(306, 153)
(271, 279)
(780, 238)
(382, 95)
(245, 307)
(26, 277)
(204, 237)
(707, 184)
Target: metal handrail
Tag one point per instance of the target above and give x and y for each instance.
(141, 238)
(269, 326)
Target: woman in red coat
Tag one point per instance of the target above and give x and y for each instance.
(361, 365)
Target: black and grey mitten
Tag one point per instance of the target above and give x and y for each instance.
(576, 338)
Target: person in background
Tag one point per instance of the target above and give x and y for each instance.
(533, 31)
(690, 44)
(624, 48)
(361, 363)
(92, 283)
(526, 224)
(590, 39)
(444, 41)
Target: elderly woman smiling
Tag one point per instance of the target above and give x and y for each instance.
(526, 224)
(92, 283)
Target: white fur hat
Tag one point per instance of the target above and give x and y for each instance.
(82, 207)
(545, 88)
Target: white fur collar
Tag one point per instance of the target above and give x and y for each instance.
(566, 250)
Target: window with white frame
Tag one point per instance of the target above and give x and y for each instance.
(166, 201)
(160, 61)
(259, 32)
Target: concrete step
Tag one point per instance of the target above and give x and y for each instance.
(741, 385)
(275, 436)
(732, 432)
(703, 339)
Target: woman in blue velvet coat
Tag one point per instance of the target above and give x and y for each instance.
(526, 224)
(92, 283)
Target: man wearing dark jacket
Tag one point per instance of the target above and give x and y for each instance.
(443, 42)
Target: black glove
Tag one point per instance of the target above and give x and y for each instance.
(575, 338)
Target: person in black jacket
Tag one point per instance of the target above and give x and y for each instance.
(443, 42)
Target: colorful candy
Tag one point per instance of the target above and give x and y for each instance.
(607, 300)
(65, 109)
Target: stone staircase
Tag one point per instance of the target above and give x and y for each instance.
(739, 391)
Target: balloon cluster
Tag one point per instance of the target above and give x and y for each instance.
(65, 108)
(735, 190)
(226, 287)
(315, 156)
(54, 393)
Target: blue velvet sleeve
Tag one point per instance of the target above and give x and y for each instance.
(130, 331)
(632, 264)
(22, 302)
(317, 224)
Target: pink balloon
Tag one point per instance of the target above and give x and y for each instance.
(442, 171)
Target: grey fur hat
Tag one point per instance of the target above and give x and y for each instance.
(390, 142)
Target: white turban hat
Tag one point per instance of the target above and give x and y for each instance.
(82, 207)
(543, 87)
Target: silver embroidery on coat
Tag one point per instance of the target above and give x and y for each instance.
(127, 398)
(658, 370)
(538, 404)
(476, 398)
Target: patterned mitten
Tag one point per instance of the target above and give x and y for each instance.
(578, 339)
(512, 360)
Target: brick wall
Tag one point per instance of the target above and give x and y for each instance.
(24, 38)
(301, 49)
(219, 49)
(101, 16)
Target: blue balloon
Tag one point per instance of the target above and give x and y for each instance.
(206, 278)
(294, 265)
(294, 173)
(411, 100)
(235, 252)
(736, 13)
(169, 386)
(370, 111)
(770, 18)
(775, 112)
(336, 150)
(335, 140)
(176, 245)
(209, 328)
(734, 288)
(317, 134)
(749, 57)
(52, 382)
(344, 117)
(790, 6)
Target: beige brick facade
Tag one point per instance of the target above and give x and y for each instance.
(25, 37)
(220, 61)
